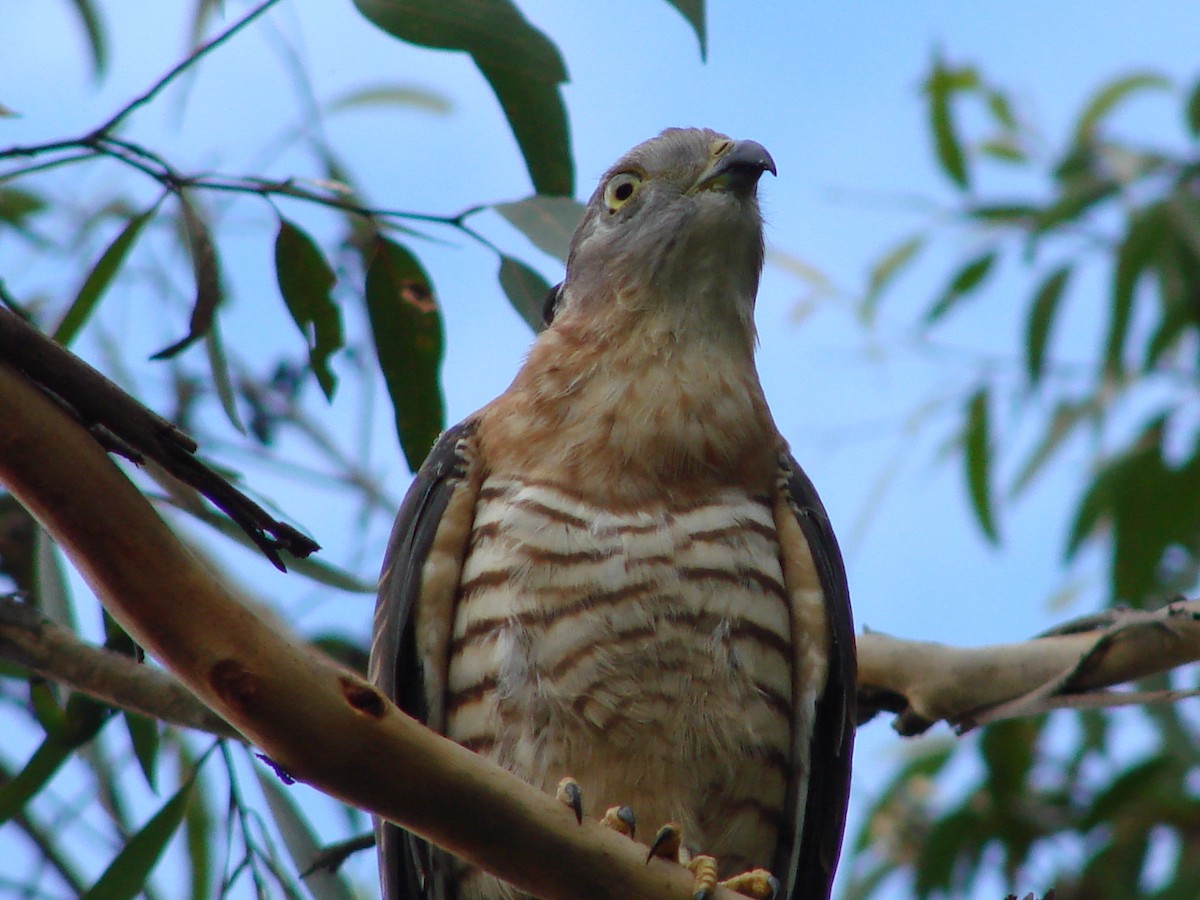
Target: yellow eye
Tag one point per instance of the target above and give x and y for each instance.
(620, 190)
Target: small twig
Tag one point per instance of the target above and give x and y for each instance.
(54, 652)
(330, 858)
(181, 67)
(96, 401)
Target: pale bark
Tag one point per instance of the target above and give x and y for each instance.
(320, 723)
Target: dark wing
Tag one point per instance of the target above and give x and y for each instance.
(395, 668)
(833, 732)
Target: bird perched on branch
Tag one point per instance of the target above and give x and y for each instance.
(615, 572)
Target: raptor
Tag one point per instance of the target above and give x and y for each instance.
(616, 571)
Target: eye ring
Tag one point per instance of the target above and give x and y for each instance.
(621, 188)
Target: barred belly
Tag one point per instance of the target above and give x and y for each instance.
(645, 653)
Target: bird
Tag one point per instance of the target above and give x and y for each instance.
(615, 572)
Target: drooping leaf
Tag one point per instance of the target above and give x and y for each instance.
(548, 222)
(411, 96)
(965, 280)
(206, 274)
(1133, 787)
(51, 716)
(16, 205)
(525, 288)
(977, 454)
(1041, 320)
(1147, 228)
(218, 365)
(300, 840)
(1108, 97)
(306, 281)
(1078, 194)
(83, 719)
(884, 272)
(940, 87)
(954, 840)
(99, 278)
(1003, 149)
(520, 63)
(693, 11)
(1192, 112)
(93, 30)
(143, 734)
(406, 324)
(1002, 213)
(126, 875)
(1067, 416)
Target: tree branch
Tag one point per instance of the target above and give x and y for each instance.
(54, 652)
(320, 723)
(925, 682)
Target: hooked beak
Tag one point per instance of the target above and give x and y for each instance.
(738, 169)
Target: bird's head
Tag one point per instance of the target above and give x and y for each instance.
(672, 231)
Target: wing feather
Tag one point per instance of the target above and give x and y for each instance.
(819, 805)
(396, 667)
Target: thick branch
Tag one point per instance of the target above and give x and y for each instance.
(320, 723)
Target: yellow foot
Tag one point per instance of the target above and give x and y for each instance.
(569, 794)
(757, 883)
(668, 844)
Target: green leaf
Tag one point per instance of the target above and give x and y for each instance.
(306, 281)
(1080, 192)
(884, 272)
(406, 324)
(1001, 109)
(143, 734)
(1193, 111)
(94, 31)
(1131, 789)
(403, 95)
(49, 714)
(126, 875)
(548, 222)
(1041, 319)
(1066, 417)
(520, 63)
(965, 280)
(17, 205)
(1008, 755)
(693, 11)
(940, 87)
(525, 288)
(84, 718)
(300, 840)
(99, 278)
(977, 454)
(1147, 228)
(34, 775)
(207, 276)
(218, 365)
(1004, 149)
(1108, 97)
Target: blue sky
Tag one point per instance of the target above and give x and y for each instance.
(831, 89)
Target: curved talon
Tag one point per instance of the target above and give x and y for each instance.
(666, 843)
(620, 819)
(568, 793)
